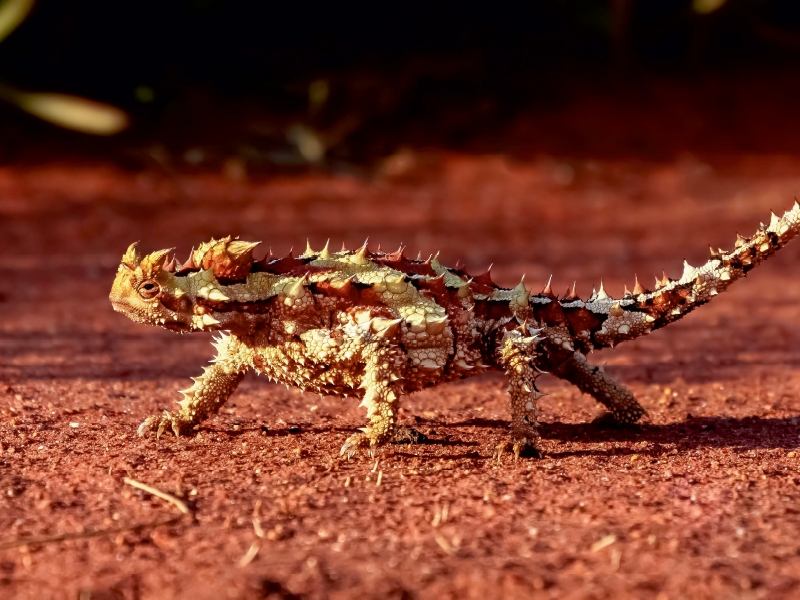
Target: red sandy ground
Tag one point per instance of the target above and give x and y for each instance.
(701, 502)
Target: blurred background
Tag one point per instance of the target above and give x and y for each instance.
(582, 139)
(258, 87)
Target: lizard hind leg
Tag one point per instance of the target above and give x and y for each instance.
(516, 356)
(596, 382)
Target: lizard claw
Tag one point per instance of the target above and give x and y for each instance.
(165, 422)
(522, 446)
(499, 450)
(355, 443)
(162, 425)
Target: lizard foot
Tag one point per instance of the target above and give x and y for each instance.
(521, 446)
(165, 422)
(357, 442)
(616, 420)
(629, 414)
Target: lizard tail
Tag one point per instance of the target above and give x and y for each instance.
(641, 311)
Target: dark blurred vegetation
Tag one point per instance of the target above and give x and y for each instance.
(280, 85)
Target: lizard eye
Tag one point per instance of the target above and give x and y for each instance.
(149, 289)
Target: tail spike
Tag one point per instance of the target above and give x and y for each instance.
(637, 288)
(360, 256)
(325, 253)
(773, 219)
(571, 293)
(602, 295)
(548, 291)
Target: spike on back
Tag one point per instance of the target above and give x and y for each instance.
(572, 294)
(360, 255)
(483, 283)
(325, 253)
(227, 258)
(602, 294)
(548, 291)
(638, 288)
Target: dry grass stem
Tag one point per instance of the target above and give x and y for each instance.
(180, 504)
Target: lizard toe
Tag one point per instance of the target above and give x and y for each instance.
(524, 446)
(159, 424)
(355, 444)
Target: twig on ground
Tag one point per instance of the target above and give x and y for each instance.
(81, 535)
(259, 531)
(180, 504)
(249, 555)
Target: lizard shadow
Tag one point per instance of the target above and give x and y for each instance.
(748, 433)
(301, 429)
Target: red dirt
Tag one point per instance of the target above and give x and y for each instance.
(702, 502)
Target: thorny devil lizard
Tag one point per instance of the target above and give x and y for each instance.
(379, 325)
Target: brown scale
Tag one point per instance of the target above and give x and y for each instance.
(581, 319)
(493, 310)
(433, 287)
(483, 284)
(398, 262)
(226, 265)
(341, 288)
(551, 314)
(278, 266)
(459, 270)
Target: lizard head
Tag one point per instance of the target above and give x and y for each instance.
(145, 291)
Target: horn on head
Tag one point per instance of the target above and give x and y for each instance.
(132, 258)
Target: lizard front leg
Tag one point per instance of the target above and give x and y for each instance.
(382, 363)
(205, 397)
(516, 356)
(596, 382)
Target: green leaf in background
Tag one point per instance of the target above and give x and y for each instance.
(70, 112)
(705, 7)
(12, 13)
